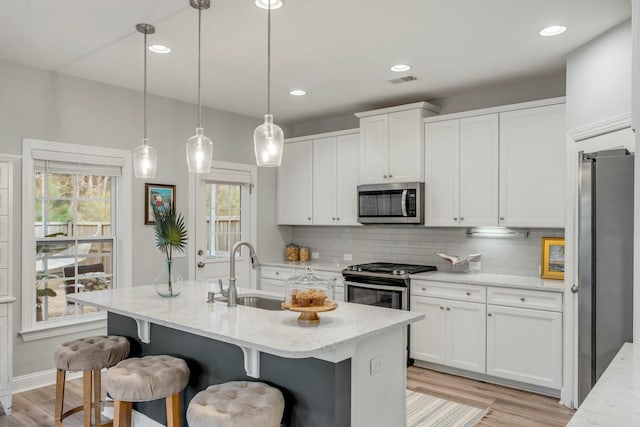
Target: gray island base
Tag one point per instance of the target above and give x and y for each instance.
(348, 371)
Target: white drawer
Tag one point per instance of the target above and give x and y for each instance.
(4, 282)
(511, 297)
(4, 175)
(3, 310)
(4, 228)
(4, 255)
(277, 273)
(4, 201)
(455, 291)
(271, 285)
(329, 275)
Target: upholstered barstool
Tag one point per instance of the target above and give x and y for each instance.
(236, 404)
(142, 379)
(89, 355)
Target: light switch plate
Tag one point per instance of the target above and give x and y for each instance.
(376, 365)
(315, 255)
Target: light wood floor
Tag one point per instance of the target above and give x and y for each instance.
(509, 407)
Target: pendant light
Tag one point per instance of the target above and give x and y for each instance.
(199, 147)
(145, 157)
(268, 138)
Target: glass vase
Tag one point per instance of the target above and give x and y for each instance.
(169, 283)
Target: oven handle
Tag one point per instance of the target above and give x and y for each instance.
(379, 287)
(404, 203)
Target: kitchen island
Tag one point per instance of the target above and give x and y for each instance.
(349, 370)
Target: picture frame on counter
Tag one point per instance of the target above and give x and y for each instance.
(552, 258)
(157, 194)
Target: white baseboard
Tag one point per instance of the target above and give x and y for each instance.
(138, 419)
(38, 379)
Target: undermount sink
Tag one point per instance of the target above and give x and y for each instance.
(258, 302)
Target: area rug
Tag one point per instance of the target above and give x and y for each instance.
(429, 411)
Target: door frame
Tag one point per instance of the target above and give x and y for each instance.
(253, 215)
(580, 139)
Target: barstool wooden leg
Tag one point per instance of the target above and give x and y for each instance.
(86, 397)
(97, 394)
(173, 410)
(121, 414)
(60, 379)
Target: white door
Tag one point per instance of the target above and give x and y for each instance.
(406, 146)
(479, 157)
(223, 217)
(348, 174)
(374, 149)
(532, 167)
(466, 328)
(295, 184)
(442, 154)
(427, 341)
(324, 181)
(525, 345)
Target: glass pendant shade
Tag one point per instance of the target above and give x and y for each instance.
(145, 160)
(268, 142)
(199, 152)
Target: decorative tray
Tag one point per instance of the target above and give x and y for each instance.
(309, 315)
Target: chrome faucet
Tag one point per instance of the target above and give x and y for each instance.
(232, 293)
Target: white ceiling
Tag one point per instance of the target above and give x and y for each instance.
(338, 50)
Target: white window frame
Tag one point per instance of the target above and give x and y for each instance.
(232, 173)
(122, 251)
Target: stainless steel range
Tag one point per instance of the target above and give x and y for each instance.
(382, 284)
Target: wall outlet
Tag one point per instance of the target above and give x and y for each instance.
(315, 255)
(376, 365)
(348, 257)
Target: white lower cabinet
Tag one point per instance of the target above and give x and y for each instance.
(452, 334)
(5, 391)
(525, 345)
(272, 285)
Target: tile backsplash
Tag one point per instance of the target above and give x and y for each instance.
(415, 244)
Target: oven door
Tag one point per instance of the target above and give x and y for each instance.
(377, 295)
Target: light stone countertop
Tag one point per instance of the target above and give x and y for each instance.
(615, 399)
(5, 299)
(274, 332)
(500, 280)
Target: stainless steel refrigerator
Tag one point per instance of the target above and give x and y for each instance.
(605, 262)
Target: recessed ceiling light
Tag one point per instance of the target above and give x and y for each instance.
(264, 4)
(399, 68)
(552, 30)
(158, 48)
(297, 92)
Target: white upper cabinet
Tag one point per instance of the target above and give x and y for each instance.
(532, 167)
(392, 143)
(295, 184)
(335, 180)
(462, 172)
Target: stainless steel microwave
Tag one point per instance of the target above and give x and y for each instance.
(399, 203)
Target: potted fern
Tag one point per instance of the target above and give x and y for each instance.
(170, 234)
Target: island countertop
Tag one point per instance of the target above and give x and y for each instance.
(274, 332)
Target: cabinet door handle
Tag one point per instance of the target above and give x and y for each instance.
(390, 176)
(522, 299)
(448, 308)
(277, 273)
(489, 314)
(468, 293)
(384, 176)
(455, 218)
(501, 218)
(461, 219)
(333, 218)
(338, 218)
(201, 264)
(309, 218)
(441, 308)
(424, 289)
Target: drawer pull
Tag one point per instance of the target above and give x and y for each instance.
(277, 273)
(423, 288)
(468, 293)
(441, 308)
(522, 299)
(448, 308)
(489, 314)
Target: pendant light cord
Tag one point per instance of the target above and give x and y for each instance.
(269, 58)
(145, 90)
(199, 66)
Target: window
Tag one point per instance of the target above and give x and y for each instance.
(223, 215)
(76, 230)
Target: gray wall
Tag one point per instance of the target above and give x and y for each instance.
(416, 244)
(46, 105)
(549, 86)
(599, 78)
